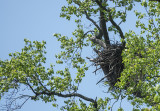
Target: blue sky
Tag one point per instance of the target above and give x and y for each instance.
(39, 20)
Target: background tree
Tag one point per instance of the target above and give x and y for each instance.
(134, 75)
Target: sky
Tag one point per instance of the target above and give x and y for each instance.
(39, 20)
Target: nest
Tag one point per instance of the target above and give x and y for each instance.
(110, 61)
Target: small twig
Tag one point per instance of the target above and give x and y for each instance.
(103, 78)
(96, 70)
(115, 101)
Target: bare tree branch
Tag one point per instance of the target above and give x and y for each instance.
(17, 106)
(12, 104)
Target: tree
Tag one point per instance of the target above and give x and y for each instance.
(130, 65)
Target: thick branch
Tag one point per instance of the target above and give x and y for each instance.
(111, 19)
(74, 95)
(103, 27)
(49, 93)
(66, 96)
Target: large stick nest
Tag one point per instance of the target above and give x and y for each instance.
(110, 61)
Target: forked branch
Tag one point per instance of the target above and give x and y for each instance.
(110, 18)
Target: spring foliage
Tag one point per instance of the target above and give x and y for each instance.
(141, 57)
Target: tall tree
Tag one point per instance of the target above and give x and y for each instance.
(130, 66)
